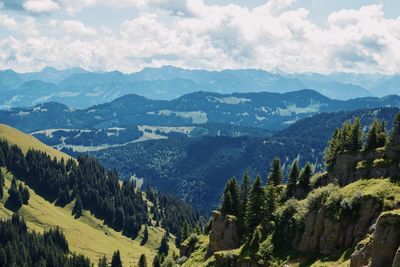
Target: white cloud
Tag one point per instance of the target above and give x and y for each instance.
(74, 26)
(190, 33)
(7, 23)
(40, 6)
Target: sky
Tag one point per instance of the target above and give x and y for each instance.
(323, 36)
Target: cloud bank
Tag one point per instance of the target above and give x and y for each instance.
(275, 36)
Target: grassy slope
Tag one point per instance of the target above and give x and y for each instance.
(25, 141)
(86, 235)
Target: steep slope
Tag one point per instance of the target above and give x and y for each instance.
(87, 234)
(26, 142)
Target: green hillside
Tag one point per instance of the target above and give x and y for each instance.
(87, 235)
(25, 142)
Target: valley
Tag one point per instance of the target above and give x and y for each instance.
(199, 133)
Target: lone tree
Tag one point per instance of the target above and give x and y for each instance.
(145, 236)
(395, 134)
(116, 259)
(142, 261)
(14, 194)
(24, 192)
(275, 176)
(164, 246)
(292, 179)
(77, 210)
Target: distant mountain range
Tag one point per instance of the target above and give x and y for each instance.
(270, 111)
(79, 88)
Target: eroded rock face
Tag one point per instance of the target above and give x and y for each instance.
(382, 249)
(346, 170)
(396, 260)
(326, 235)
(386, 240)
(223, 234)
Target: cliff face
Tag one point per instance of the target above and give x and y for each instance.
(382, 248)
(350, 167)
(224, 233)
(326, 235)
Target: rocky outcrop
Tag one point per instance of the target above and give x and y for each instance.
(224, 233)
(382, 249)
(350, 167)
(325, 234)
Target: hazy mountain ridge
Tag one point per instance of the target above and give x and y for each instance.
(79, 88)
(271, 111)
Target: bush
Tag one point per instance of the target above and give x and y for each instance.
(265, 251)
(319, 196)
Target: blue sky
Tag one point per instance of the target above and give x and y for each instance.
(277, 35)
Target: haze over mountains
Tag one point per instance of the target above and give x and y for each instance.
(270, 111)
(79, 88)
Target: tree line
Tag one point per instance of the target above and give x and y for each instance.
(20, 247)
(351, 138)
(93, 188)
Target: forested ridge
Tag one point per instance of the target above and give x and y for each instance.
(121, 206)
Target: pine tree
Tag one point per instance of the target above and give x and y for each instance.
(1, 185)
(145, 236)
(270, 203)
(293, 179)
(226, 207)
(156, 261)
(355, 136)
(372, 137)
(24, 192)
(78, 209)
(244, 193)
(14, 194)
(142, 261)
(116, 259)
(305, 177)
(103, 262)
(275, 176)
(185, 231)
(332, 149)
(382, 135)
(230, 200)
(255, 211)
(395, 134)
(164, 246)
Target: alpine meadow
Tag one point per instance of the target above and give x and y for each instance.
(199, 133)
